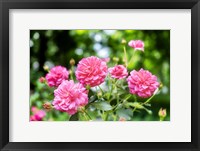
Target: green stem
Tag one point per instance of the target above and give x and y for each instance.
(71, 73)
(162, 119)
(87, 114)
(96, 92)
(87, 119)
(134, 109)
(131, 58)
(125, 57)
(114, 117)
(102, 115)
(135, 98)
(147, 101)
(117, 99)
(106, 116)
(101, 89)
(111, 85)
(126, 98)
(121, 102)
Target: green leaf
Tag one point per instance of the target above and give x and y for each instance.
(105, 106)
(34, 97)
(125, 113)
(39, 104)
(119, 106)
(92, 98)
(74, 117)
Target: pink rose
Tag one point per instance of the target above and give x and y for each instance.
(136, 44)
(91, 71)
(69, 96)
(142, 83)
(38, 115)
(118, 72)
(32, 118)
(56, 75)
(34, 109)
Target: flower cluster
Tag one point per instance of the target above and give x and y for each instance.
(72, 95)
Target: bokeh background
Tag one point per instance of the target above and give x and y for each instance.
(57, 47)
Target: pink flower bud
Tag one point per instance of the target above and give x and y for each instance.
(47, 106)
(136, 44)
(122, 119)
(162, 113)
(72, 62)
(42, 79)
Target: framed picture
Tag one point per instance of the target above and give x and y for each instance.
(102, 75)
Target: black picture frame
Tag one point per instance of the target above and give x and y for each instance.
(6, 5)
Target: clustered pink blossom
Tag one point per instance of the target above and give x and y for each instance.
(142, 83)
(91, 71)
(38, 115)
(118, 72)
(69, 96)
(136, 44)
(56, 76)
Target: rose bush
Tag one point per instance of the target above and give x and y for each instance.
(107, 90)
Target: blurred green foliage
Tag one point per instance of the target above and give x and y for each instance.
(57, 47)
